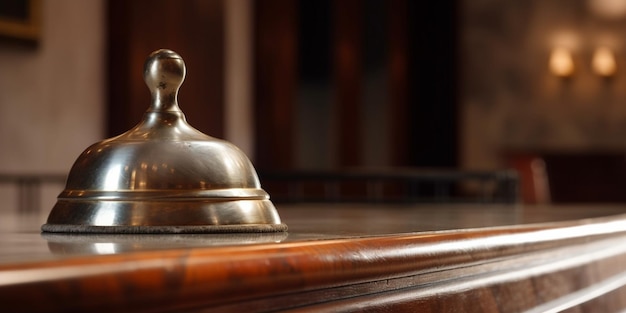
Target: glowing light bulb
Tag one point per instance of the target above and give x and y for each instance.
(561, 62)
(603, 62)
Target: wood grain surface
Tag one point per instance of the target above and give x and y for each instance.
(575, 264)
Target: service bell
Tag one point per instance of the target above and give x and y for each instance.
(163, 176)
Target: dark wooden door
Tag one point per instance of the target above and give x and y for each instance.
(192, 28)
(336, 47)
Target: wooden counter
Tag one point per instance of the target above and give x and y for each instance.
(355, 258)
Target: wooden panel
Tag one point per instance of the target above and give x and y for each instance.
(570, 176)
(348, 22)
(194, 29)
(275, 83)
(422, 74)
(586, 176)
(433, 83)
(398, 81)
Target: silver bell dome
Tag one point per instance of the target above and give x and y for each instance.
(163, 176)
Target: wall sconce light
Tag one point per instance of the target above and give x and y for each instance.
(603, 62)
(561, 62)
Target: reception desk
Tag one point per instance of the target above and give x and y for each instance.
(335, 258)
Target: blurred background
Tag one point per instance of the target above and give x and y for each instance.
(325, 85)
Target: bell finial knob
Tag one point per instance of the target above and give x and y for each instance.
(164, 73)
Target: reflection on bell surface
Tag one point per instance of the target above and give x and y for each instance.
(163, 176)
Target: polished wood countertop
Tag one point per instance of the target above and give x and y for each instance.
(335, 257)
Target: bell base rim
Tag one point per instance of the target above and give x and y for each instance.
(164, 229)
(163, 217)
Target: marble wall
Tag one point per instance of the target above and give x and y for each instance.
(52, 96)
(510, 99)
